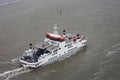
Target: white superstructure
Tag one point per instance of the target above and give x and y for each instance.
(54, 48)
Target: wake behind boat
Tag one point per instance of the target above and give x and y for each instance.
(54, 48)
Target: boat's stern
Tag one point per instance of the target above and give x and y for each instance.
(28, 64)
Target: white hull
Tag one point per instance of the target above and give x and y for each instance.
(61, 55)
(54, 48)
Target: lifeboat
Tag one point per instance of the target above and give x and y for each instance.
(55, 37)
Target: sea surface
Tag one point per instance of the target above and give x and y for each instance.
(26, 21)
(8, 2)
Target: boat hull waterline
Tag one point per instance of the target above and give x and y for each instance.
(53, 49)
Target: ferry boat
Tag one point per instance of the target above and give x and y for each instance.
(55, 47)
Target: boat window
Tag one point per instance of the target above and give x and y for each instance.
(65, 45)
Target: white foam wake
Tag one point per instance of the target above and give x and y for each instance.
(11, 2)
(9, 74)
(16, 60)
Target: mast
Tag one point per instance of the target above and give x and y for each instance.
(55, 28)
